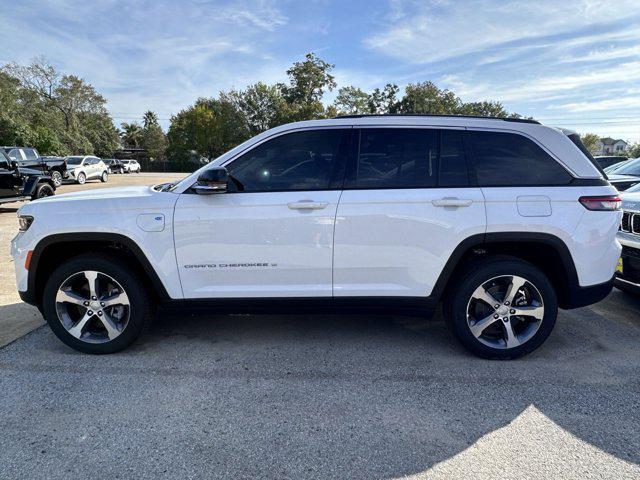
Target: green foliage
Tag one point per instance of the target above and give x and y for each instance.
(590, 141)
(207, 129)
(131, 134)
(153, 138)
(55, 113)
(634, 150)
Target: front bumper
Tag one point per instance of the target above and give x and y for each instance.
(629, 278)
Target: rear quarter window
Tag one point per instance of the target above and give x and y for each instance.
(504, 159)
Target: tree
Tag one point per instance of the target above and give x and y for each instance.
(207, 129)
(153, 138)
(352, 101)
(262, 106)
(54, 112)
(634, 150)
(131, 134)
(484, 109)
(308, 81)
(590, 141)
(384, 101)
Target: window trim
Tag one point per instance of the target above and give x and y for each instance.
(335, 182)
(471, 156)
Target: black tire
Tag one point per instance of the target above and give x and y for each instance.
(141, 309)
(56, 178)
(104, 177)
(43, 190)
(82, 178)
(476, 274)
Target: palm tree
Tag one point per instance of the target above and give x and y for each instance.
(131, 134)
(150, 119)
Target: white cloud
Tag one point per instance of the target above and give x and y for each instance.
(429, 31)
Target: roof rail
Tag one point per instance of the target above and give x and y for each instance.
(505, 119)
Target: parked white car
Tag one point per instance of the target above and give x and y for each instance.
(502, 220)
(131, 166)
(82, 168)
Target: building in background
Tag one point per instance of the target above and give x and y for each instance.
(611, 146)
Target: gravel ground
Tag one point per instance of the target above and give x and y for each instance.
(325, 397)
(240, 396)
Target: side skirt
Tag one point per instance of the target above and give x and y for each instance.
(418, 306)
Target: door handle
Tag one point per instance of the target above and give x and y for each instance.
(452, 202)
(307, 205)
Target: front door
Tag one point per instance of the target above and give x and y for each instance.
(271, 233)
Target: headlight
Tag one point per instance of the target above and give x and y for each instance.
(25, 222)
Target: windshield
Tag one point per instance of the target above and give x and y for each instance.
(74, 160)
(630, 168)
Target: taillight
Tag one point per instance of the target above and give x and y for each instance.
(606, 203)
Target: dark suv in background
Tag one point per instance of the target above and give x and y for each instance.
(26, 157)
(18, 183)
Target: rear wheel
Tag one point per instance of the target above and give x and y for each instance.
(95, 304)
(43, 190)
(82, 178)
(501, 308)
(56, 178)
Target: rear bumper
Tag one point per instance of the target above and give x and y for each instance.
(583, 296)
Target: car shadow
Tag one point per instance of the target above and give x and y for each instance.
(356, 396)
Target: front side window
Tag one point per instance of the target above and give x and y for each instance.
(397, 158)
(296, 161)
(15, 154)
(507, 159)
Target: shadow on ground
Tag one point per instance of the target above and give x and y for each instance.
(312, 396)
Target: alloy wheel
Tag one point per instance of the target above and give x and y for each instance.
(93, 307)
(505, 312)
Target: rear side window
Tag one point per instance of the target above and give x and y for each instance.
(507, 159)
(397, 158)
(411, 158)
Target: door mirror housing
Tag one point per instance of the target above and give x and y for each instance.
(212, 180)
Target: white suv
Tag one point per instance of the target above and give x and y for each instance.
(82, 168)
(503, 220)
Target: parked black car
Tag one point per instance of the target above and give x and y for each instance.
(115, 165)
(55, 167)
(19, 183)
(607, 161)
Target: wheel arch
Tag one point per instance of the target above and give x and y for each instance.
(53, 249)
(546, 251)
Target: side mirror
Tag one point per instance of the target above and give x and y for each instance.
(212, 180)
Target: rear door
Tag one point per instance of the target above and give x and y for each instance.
(407, 205)
(524, 186)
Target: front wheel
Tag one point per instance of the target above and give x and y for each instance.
(104, 177)
(501, 308)
(95, 304)
(82, 178)
(56, 178)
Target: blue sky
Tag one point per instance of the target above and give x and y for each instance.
(574, 63)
